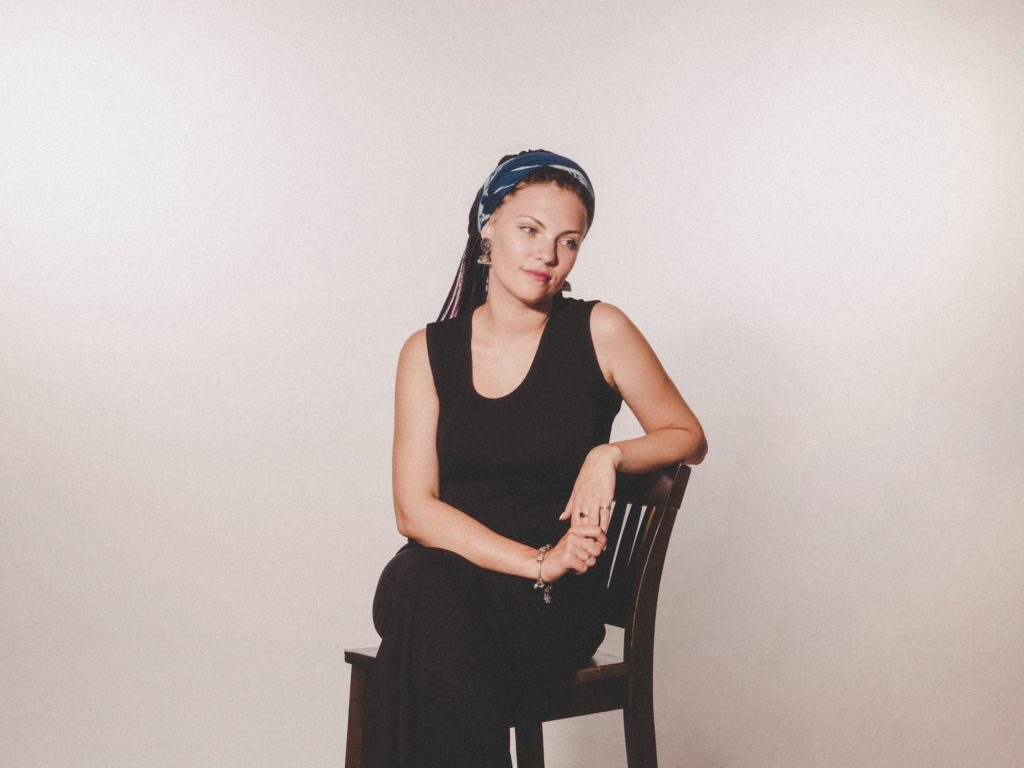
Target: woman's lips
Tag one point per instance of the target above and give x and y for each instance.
(540, 277)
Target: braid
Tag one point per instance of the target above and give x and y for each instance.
(469, 289)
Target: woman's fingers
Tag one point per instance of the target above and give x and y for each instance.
(584, 550)
(593, 532)
(598, 514)
(584, 559)
(587, 513)
(579, 549)
(589, 532)
(593, 490)
(589, 547)
(582, 513)
(567, 513)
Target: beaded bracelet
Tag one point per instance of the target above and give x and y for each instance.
(540, 583)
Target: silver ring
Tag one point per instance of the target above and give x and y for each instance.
(604, 507)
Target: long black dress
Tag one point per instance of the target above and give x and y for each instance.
(462, 646)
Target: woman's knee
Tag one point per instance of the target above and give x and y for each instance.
(419, 573)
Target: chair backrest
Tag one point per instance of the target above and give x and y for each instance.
(642, 517)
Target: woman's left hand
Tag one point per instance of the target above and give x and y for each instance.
(594, 490)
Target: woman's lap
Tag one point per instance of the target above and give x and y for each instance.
(460, 646)
(538, 636)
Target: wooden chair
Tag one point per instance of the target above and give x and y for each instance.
(643, 514)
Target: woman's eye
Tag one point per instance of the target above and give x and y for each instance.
(528, 230)
(572, 245)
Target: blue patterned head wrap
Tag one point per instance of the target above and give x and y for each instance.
(469, 290)
(504, 178)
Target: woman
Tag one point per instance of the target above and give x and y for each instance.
(503, 475)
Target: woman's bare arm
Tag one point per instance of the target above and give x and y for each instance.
(423, 517)
(672, 432)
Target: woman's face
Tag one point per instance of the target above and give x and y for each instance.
(535, 235)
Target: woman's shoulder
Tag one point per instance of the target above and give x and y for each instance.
(414, 348)
(612, 331)
(608, 320)
(608, 323)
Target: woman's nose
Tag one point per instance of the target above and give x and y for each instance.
(548, 252)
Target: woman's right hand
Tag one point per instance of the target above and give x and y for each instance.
(576, 551)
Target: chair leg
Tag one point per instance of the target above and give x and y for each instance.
(530, 745)
(638, 720)
(354, 740)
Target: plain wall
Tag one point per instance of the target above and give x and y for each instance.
(220, 220)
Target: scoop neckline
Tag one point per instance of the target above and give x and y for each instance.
(529, 371)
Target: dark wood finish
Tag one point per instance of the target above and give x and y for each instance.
(354, 743)
(530, 745)
(642, 518)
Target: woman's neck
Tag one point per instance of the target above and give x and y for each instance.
(500, 319)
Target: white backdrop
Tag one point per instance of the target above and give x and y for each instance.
(220, 220)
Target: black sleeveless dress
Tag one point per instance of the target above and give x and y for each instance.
(462, 647)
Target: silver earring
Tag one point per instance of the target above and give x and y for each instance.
(485, 252)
